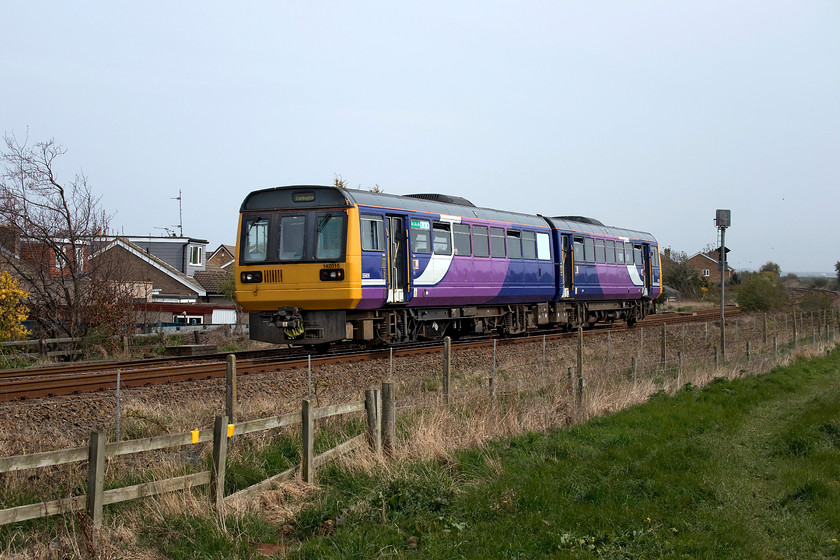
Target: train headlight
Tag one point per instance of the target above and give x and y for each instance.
(251, 277)
(328, 274)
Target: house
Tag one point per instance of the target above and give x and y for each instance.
(221, 258)
(169, 279)
(185, 254)
(707, 265)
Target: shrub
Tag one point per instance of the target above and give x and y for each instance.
(761, 292)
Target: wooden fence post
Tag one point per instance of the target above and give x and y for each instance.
(633, 368)
(96, 477)
(389, 427)
(447, 362)
(373, 405)
(764, 330)
(716, 357)
(749, 356)
(230, 388)
(217, 473)
(307, 468)
(580, 353)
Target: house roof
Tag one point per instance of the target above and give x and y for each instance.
(212, 280)
(155, 262)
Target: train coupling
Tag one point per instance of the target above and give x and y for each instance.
(287, 318)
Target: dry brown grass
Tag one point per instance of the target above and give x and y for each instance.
(531, 395)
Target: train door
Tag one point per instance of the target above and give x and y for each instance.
(646, 270)
(397, 259)
(568, 266)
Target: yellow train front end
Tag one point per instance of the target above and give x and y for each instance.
(298, 264)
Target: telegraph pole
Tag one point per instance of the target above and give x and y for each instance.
(722, 221)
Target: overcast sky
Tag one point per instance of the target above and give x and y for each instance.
(645, 115)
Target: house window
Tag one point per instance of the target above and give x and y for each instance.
(196, 254)
(185, 319)
(706, 272)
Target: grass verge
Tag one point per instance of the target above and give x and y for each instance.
(748, 468)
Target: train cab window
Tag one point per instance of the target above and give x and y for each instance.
(497, 242)
(329, 243)
(442, 239)
(373, 233)
(255, 244)
(578, 250)
(600, 252)
(420, 239)
(514, 244)
(291, 236)
(628, 253)
(543, 247)
(588, 249)
(461, 235)
(610, 249)
(637, 254)
(481, 241)
(529, 245)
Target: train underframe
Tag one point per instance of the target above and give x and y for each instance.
(289, 325)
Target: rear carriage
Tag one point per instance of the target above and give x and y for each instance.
(320, 264)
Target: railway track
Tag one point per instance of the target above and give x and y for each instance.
(37, 382)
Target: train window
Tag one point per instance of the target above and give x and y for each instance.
(514, 245)
(588, 249)
(610, 248)
(442, 239)
(256, 240)
(637, 254)
(330, 240)
(578, 249)
(291, 235)
(481, 241)
(543, 247)
(619, 252)
(420, 241)
(497, 242)
(373, 233)
(600, 253)
(529, 245)
(461, 234)
(628, 252)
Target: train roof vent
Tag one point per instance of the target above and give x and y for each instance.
(442, 198)
(582, 219)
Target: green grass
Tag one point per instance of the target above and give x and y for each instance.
(740, 469)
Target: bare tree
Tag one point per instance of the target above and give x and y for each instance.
(50, 230)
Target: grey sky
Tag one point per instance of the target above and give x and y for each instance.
(647, 115)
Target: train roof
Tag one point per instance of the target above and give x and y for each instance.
(281, 197)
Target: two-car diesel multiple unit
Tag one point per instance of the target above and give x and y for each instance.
(317, 264)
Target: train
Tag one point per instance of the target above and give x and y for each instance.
(320, 264)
